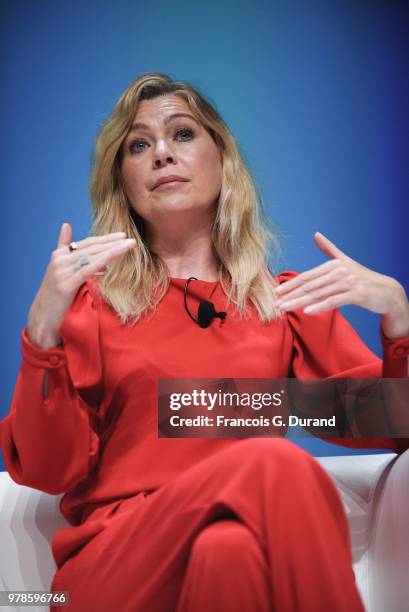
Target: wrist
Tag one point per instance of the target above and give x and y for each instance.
(43, 337)
(395, 322)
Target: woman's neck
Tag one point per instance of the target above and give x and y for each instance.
(187, 254)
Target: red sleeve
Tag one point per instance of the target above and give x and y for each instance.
(49, 438)
(326, 345)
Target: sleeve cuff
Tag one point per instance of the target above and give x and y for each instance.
(395, 356)
(395, 347)
(41, 358)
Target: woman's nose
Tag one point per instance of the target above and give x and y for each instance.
(163, 161)
(163, 156)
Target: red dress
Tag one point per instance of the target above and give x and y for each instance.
(146, 513)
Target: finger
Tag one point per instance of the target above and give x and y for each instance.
(65, 235)
(101, 271)
(99, 261)
(315, 296)
(105, 238)
(94, 245)
(336, 301)
(308, 275)
(328, 247)
(310, 287)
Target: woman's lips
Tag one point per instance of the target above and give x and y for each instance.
(170, 178)
(169, 184)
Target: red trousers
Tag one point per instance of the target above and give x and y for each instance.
(258, 526)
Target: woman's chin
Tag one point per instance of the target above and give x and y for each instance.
(176, 205)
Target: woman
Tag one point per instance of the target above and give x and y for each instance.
(186, 524)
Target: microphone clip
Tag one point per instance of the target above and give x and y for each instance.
(206, 311)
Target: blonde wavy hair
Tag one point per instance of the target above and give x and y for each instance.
(242, 237)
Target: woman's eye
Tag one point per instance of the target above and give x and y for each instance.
(184, 134)
(137, 146)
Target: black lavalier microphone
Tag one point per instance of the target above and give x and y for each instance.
(206, 311)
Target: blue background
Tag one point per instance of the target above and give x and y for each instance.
(316, 94)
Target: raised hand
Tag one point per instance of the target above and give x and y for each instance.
(65, 273)
(343, 281)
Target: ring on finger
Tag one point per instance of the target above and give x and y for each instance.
(73, 246)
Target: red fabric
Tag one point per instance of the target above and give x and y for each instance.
(95, 436)
(160, 552)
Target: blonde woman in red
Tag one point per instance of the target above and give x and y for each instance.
(186, 524)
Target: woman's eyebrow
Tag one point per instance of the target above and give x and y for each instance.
(143, 126)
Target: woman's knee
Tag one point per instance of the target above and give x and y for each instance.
(280, 459)
(223, 540)
(277, 450)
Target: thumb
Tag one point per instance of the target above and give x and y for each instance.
(65, 236)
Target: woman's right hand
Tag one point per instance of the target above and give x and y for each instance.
(64, 277)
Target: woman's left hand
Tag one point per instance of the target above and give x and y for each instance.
(343, 281)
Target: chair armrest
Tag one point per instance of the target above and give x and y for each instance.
(389, 545)
(359, 480)
(28, 520)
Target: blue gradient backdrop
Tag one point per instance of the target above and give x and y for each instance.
(316, 94)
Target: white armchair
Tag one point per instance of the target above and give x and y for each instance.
(375, 492)
(374, 489)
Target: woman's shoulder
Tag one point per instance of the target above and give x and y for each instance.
(82, 313)
(285, 276)
(88, 294)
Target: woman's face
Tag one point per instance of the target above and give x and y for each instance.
(166, 140)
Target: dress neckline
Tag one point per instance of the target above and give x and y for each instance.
(183, 280)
